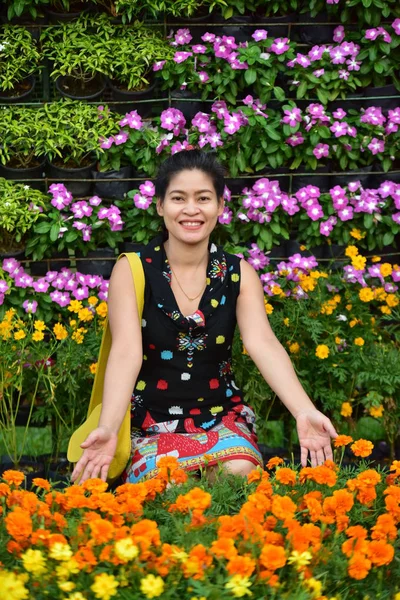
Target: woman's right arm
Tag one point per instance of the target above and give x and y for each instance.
(123, 367)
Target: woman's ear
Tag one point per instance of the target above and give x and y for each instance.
(159, 208)
(221, 206)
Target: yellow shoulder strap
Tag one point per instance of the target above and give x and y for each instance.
(138, 279)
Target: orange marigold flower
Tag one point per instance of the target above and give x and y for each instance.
(385, 528)
(395, 466)
(283, 507)
(19, 524)
(362, 448)
(274, 462)
(354, 546)
(272, 557)
(241, 565)
(357, 531)
(342, 440)
(286, 476)
(168, 462)
(95, 485)
(102, 530)
(13, 477)
(344, 501)
(359, 566)
(4, 490)
(369, 477)
(254, 475)
(42, 483)
(224, 548)
(380, 553)
(324, 475)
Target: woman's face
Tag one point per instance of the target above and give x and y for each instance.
(190, 208)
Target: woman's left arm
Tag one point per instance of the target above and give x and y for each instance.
(315, 429)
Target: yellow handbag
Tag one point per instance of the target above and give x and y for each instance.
(124, 436)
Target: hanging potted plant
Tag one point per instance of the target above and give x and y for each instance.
(20, 134)
(79, 57)
(73, 146)
(61, 11)
(25, 12)
(19, 61)
(133, 51)
(20, 208)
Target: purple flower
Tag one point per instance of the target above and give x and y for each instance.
(214, 139)
(292, 117)
(62, 299)
(222, 50)
(337, 192)
(81, 293)
(321, 150)
(346, 213)
(371, 34)
(30, 306)
(220, 109)
(343, 74)
(376, 146)
(260, 34)
(387, 188)
(93, 281)
(315, 212)
(373, 115)
(295, 140)
(121, 138)
(280, 45)
(172, 118)
(147, 189)
(208, 37)
(396, 219)
(318, 72)
(133, 120)
(354, 186)
(158, 65)
(81, 209)
(180, 57)
(95, 201)
(353, 64)
(316, 53)
(337, 55)
(199, 49)
(302, 60)
(339, 114)
(182, 37)
(4, 287)
(227, 194)
(338, 34)
(396, 26)
(106, 143)
(339, 128)
(226, 216)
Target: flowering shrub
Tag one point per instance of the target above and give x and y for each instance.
(315, 531)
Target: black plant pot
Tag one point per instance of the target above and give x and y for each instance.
(293, 247)
(40, 268)
(381, 176)
(102, 265)
(319, 178)
(59, 472)
(29, 465)
(277, 26)
(362, 175)
(182, 100)
(61, 17)
(312, 31)
(36, 172)
(131, 99)
(67, 86)
(376, 97)
(114, 188)
(64, 174)
(27, 89)
(27, 21)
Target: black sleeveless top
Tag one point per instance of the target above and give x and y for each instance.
(186, 379)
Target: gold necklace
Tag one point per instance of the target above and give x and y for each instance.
(177, 281)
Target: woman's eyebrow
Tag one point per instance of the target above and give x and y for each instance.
(182, 192)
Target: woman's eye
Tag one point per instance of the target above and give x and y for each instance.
(178, 198)
(204, 198)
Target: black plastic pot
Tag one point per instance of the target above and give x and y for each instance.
(114, 188)
(293, 247)
(182, 100)
(40, 268)
(61, 17)
(94, 89)
(319, 178)
(312, 31)
(131, 99)
(64, 174)
(12, 99)
(29, 465)
(277, 26)
(376, 97)
(103, 265)
(59, 472)
(16, 174)
(362, 175)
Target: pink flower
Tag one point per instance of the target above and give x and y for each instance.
(30, 306)
(172, 118)
(338, 34)
(142, 202)
(303, 60)
(346, 214)
(353, 64)
(318, 72)
(292, 117)
(316, 53)
(182, 37)
(147, 189)
(371, 34)
(376, 146)
(260, 34)
(203, 76)
(106, 143)
(121, 138)
(337, 56)
(132, 119)
(226, 216)
(208, 37)
(199, 49)
(343, 74)
(280, 45)
(339, 128)
(159, 65)
(339, 113)
(321, 150)
(222, 50)
(295, 140)
(396, 26)
(180, 57)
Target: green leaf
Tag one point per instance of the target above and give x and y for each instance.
(279, 94)
(266, 237)
(368, 221)
(42, 227)
(276, 228)
(388, 238)
(54, 231)
(301, 90)
(272, 133)
(250, 76)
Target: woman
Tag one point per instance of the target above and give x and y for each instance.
(185, 402)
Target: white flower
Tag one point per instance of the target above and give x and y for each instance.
(265, 55)
(341, 318)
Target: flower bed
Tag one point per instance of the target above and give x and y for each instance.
(310, 533)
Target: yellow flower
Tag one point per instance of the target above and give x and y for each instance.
(39, 325)
(359, 262)
(366, 294)
(307, 283)
(93, 300)
(76, 596)
(239, 586)
(392, 300)
(376, 411)
(294, 348)
(286, 321)
(268, 308)
(75, 306)
(351, 251)
(125, 549)
(104, 586)
(338, 340)
(38, 336)
(60, 551)
(376, 259)
(346, 410)
(19, 335)
(60, 332)
(152, 586)
(300, 559)
(73, 323)
(314, 585)
(244, 351)
(359, 341)
(386, 269)
(356, 234)
(78, 335)
(12, 586)
(101, 309)
(322, 351)
(276, 290)
(303, 247)
(34, 561)
(93, 368)
(67, 568)
(349, 307)
(85, 315)
(66, 586)
(385, 310)
(380, 294)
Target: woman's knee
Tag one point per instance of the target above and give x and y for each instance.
(239, 466)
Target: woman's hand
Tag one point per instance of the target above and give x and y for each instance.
(99, 450)
(315, 432)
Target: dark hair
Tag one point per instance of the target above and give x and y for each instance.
(190, 159)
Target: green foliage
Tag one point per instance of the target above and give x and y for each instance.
(19, 56)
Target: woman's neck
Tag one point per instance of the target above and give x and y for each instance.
(182, 255)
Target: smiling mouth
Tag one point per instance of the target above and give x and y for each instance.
(191, 224)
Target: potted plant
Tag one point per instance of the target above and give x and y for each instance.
(19, 61)
(357, 11)
(20, 131)
(73, 147)
(66, 10)
(20, 208)
(79, 57)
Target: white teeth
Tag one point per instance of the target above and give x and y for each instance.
(191, 223)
